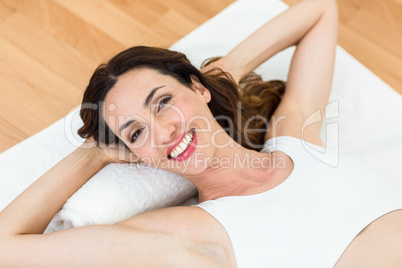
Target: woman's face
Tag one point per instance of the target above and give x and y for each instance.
(166, 123)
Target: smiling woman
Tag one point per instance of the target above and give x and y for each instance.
(258, 98)
(156, 104)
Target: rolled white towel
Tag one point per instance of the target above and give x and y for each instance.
(119, 192)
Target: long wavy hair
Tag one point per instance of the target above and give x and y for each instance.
(238, 109)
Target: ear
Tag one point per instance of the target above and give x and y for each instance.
(196, 84)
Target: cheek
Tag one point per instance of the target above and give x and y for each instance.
(143, 149)
(146, 151)
(192, 110)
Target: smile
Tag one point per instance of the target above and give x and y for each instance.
(185, 147)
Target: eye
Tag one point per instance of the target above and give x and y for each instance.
(136, 135)
(164, 101)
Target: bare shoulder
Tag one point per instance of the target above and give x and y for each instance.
(378, 245)
(190, 222)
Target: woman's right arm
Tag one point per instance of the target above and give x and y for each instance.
(281, 32)
(23, 221)
(312, 26)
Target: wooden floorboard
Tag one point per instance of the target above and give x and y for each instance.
(49, 48)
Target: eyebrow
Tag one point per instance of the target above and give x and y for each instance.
(125, 125)
(146, 103)
(151, 95)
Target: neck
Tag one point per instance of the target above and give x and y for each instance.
(235, 171)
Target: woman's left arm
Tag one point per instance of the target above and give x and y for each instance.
(23, 221)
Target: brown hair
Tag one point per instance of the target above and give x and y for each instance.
(233, 109)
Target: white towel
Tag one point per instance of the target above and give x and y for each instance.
(366, 124)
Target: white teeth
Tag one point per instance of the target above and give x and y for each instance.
(187, 139)
(182, 146)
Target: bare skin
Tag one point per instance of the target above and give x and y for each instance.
(188, 236)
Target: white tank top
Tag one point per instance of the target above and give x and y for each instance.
(310, 218)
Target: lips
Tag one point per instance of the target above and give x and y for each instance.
(183, 146)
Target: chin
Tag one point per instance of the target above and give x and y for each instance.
(193, 160)
(198, 163)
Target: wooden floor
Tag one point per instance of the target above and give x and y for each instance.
(49, 48)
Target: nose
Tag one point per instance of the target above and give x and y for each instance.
(164, 131)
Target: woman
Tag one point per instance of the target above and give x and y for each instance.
(287, 209)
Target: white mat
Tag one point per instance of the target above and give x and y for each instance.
(365, 123)
(366, 112)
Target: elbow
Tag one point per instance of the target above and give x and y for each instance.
(330, 12)
(333, 10)
(327, 4)
(331, 4)
(327, 7)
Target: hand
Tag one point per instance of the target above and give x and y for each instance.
(212, 64)
(216, 64)
(111, 153)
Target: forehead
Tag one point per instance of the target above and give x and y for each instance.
(133, 87)
(128, 95)
(136, 82)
